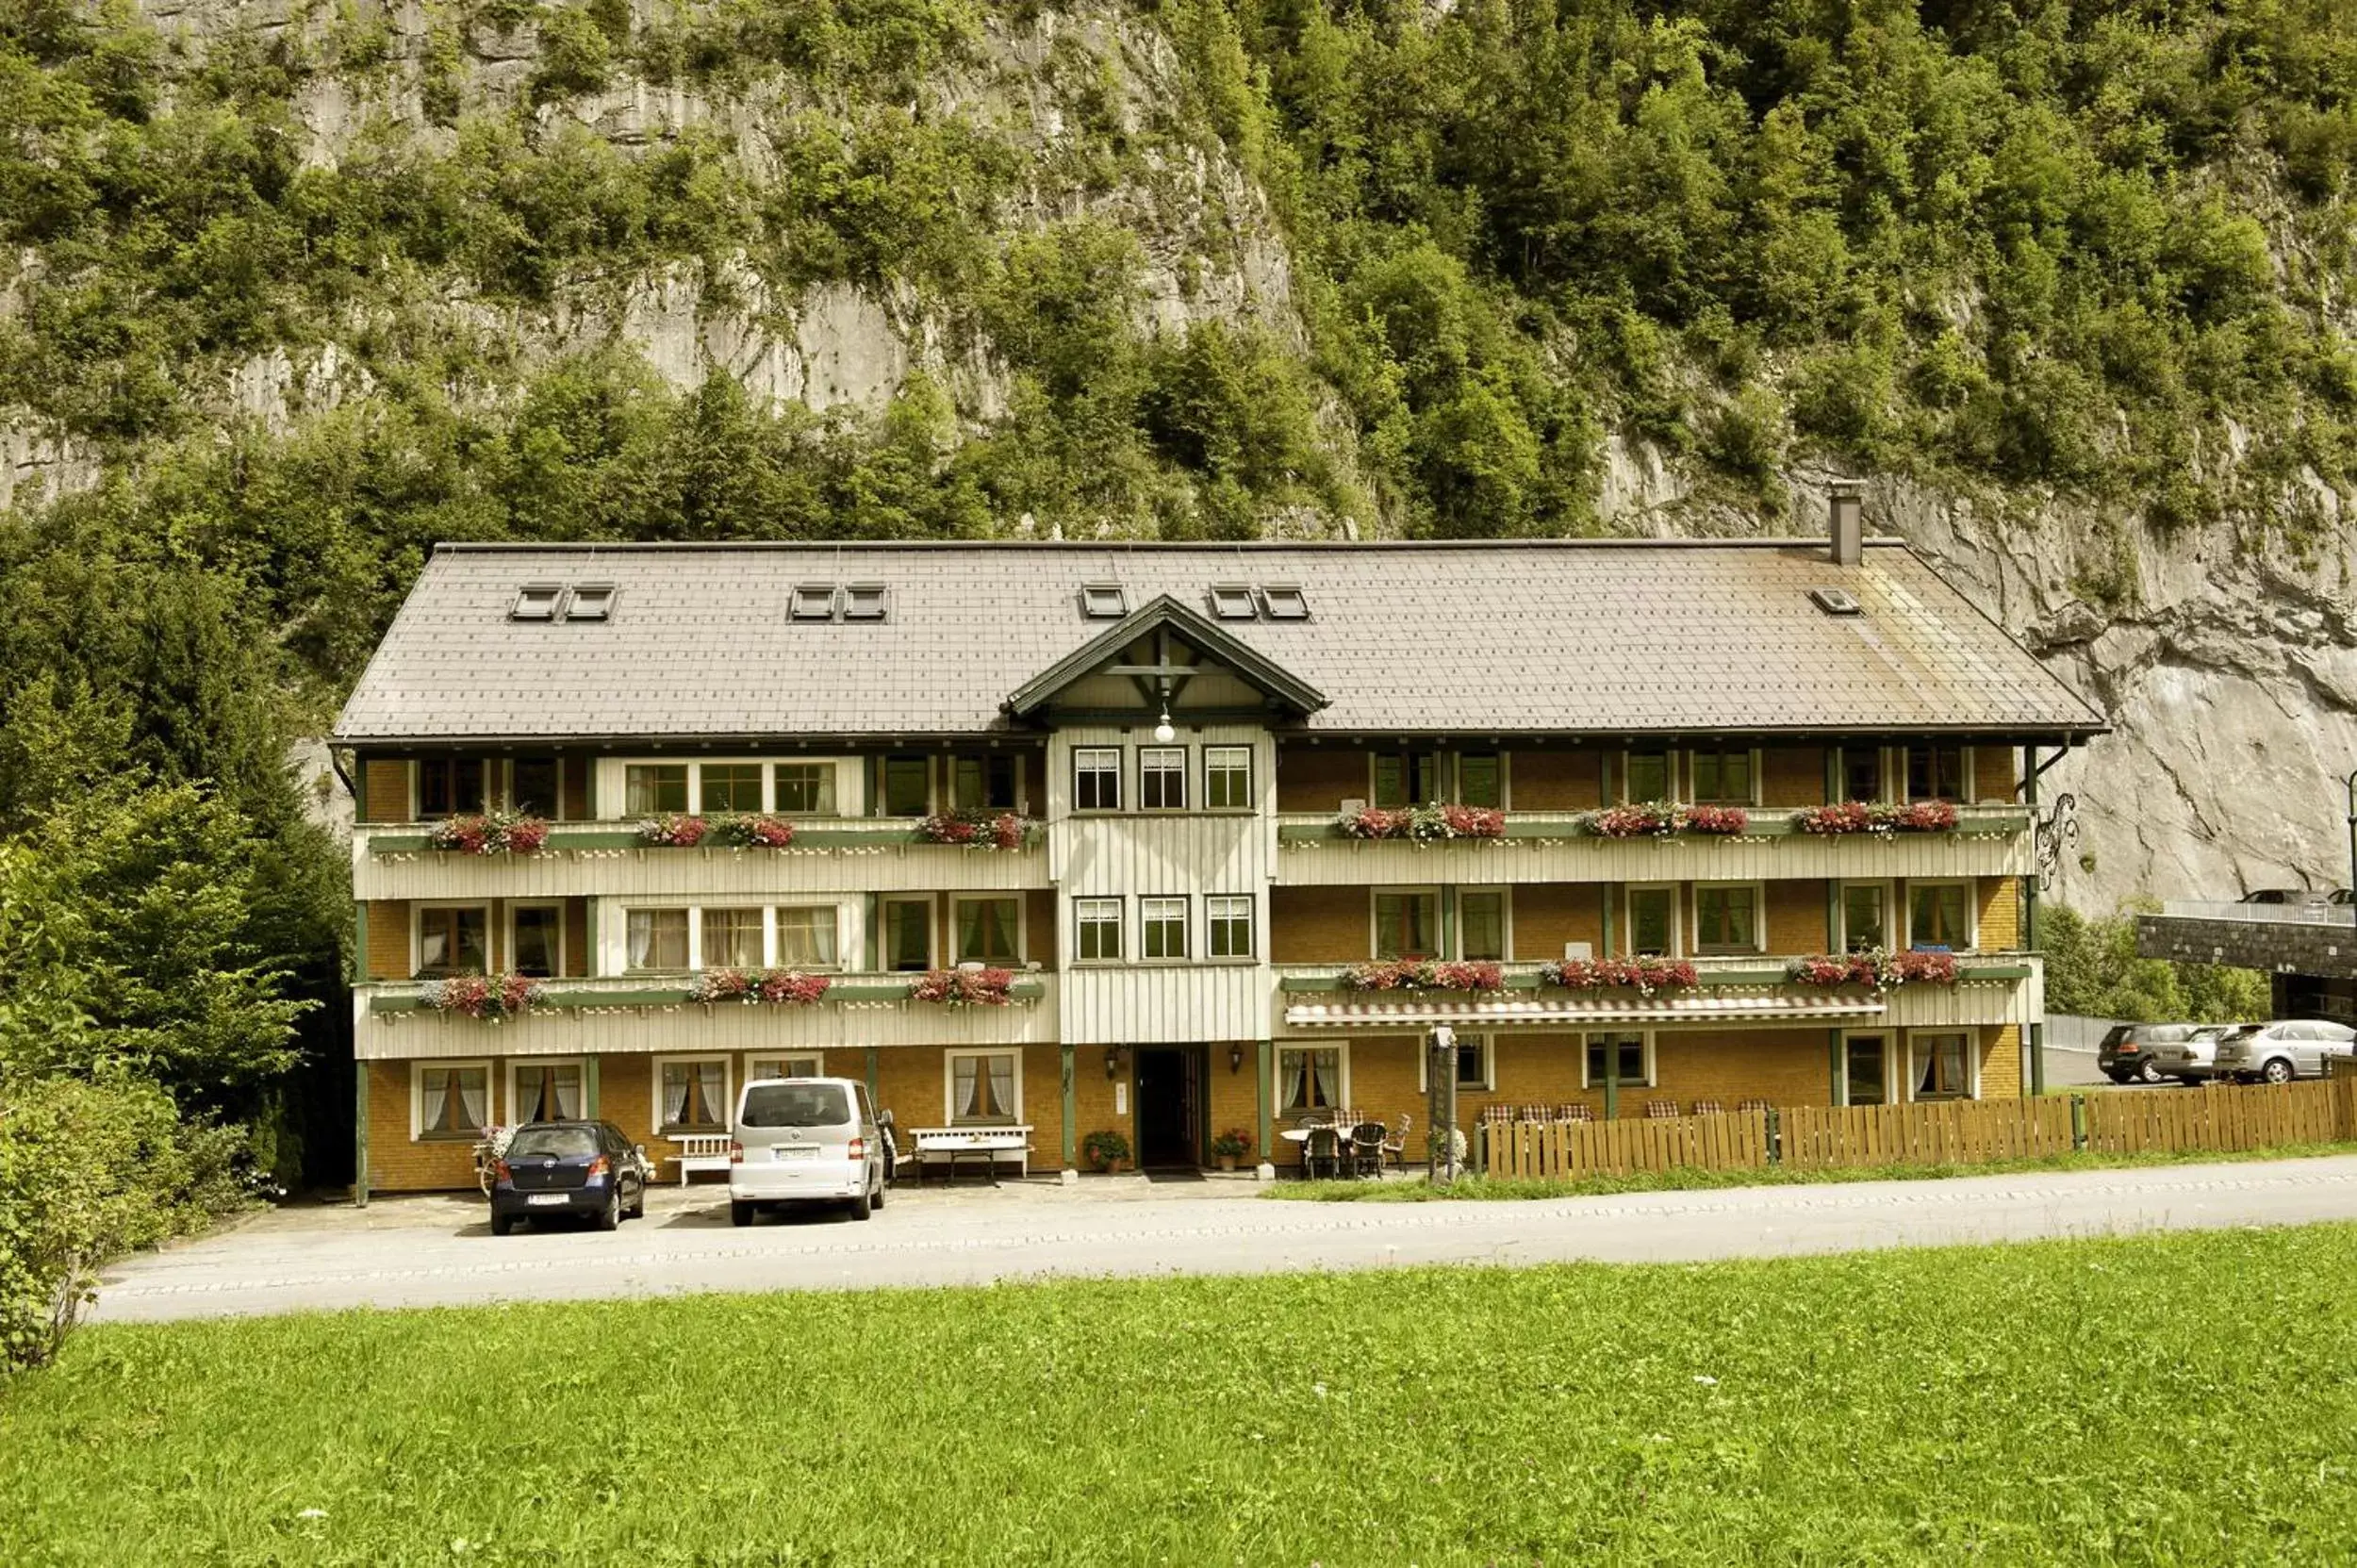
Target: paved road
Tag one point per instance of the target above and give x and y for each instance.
(427, 1252)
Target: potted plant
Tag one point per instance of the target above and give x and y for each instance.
(1108, 1150)
(1231, 1147)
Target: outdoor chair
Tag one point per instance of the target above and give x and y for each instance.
(1660, 1110)
(1534, 1113)
(1322, 1153)
(1497, 1113)
(1750, 1105)
(1574, 1113)
(1366, 1149)
(1396, 1144)
(1708, 1108)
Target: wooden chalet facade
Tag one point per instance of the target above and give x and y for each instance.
(1229, 827)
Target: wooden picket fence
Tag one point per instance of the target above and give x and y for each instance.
(2224, 1118)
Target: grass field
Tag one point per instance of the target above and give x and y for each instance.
(1412, 1188)
(2006, 1404)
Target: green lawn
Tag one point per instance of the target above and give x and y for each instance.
(2061, 1402)
(1469, 1189)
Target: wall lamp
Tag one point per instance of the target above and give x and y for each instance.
(1235, 1058)
(1113, 1062)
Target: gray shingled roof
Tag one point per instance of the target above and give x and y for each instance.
(1597, 637)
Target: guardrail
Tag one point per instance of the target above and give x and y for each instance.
(2267, 914)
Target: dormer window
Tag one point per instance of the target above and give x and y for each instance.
(535, 601)
(1233, 601)
(1104, 601)
(590, 602)
(1284, 603)
(812, 601)
(863, 601)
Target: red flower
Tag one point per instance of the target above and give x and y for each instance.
(1718, 820)
(963, 987)
(673, 831)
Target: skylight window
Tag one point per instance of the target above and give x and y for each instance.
(1104, 601)
(535, 601)
(863, 601)
(813, 602)
(1284, 603)
(1233, 601)
(590, 602)
(1837, 601)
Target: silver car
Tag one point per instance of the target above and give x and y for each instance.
(807, 1140)
(2280, 1052)
(2193, 1057)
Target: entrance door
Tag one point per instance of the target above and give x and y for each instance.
(1170, 1081)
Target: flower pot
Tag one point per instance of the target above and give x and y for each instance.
(1228, 1162)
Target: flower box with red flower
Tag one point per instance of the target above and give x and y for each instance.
(1423, 824)
(1726, 821)
(1637, 820)
(673, 831)
(492, 998)
(1874, 816)
(1643, 976)
(753, 830)
(1875, 970)
(977, 830)
(1425, 974)
(493, 832)
(986, 988)
(779, 987)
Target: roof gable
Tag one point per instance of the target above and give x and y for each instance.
(1165, 615)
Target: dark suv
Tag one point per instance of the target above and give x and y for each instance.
(2126, 1054)
(576, 1170)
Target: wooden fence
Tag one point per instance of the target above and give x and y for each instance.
(2221, 1117)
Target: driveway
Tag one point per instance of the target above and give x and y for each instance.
(437, 1251)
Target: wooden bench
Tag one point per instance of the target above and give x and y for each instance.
(701, 1152)
(948, 1145)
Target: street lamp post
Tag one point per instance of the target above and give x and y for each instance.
(2352, 782)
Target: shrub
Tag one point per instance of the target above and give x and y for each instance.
(1106, 1148)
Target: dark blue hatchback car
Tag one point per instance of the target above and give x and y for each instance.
(568, 1170)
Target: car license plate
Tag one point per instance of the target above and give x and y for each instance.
(795, 1151)
(550, 1200)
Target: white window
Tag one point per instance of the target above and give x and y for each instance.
(1476, 1065)
(1099, 922)
(1864, 916)
(985, 1086)
(803, 1065)
(1227, 778)
(989, 930)
(1228, 917)
(1481, 924)
(806, 787)
(1726, 777)
(1727, 918)
(691, 1094)
(544, 1091)
(1097, 778)
(1163, 778)
(1631, 1055)
(1939, 915)
(807, 937)
(1942, 1064)
(649, 787)
(1653, 922)
(657, 940)
(732, 939)
(1162, 927)
(449, 1099)
(1310, 1079)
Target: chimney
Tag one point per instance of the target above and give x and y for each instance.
(1848, 504)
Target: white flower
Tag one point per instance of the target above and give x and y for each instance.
(312, 1513)
(1705, 1379)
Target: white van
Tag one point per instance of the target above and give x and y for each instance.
(805, 1140)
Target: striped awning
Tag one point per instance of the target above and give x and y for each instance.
(1511, 1011)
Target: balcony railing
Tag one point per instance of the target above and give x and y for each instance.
(1972, 822)
(580, 993)
(2267, 914)
(1738, 969)
(606, 835)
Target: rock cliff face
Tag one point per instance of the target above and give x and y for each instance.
(2228, 665)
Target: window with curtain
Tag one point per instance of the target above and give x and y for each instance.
(982, 1087)
(1939, 915)
(782, 1066)
(453, 1101)
(907, 787)
(806, 936)
(1727, 919)
(1480, 779)
(1097, 778)
(1865, 917)
(656, 938)
(1861, 773)
(1163, 778)
(453, 941)
(731, 938)
(449, 786)
(653, 787)
(1482, 925)
(1228, 917)
(695, 1097)
(1942, 1069)
(1407, 924)
(540, 940)
(1645, 776)
(806, 787)
(1863, 1071)
(988, 931)
(1407, 779)
(1227, 778)
(1624, 1054)
(1099, 927)
(1653, 922)
(547, 1092)
(1724, 777)
(1162, 927)
(1936, 773)
(726, 786)
(908, 934)
(1309, 1080)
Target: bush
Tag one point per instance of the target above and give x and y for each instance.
(1105, 1148)
(88, 1172)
